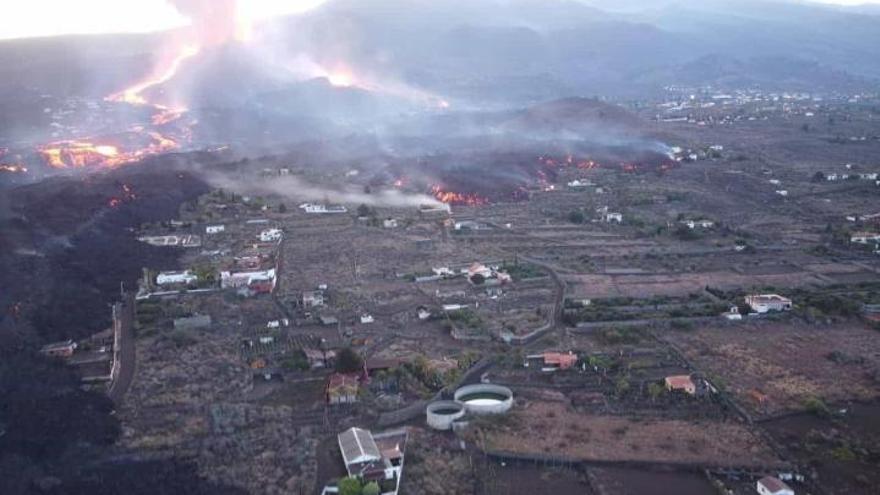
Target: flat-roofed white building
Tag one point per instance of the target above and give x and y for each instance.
(176, 278)
(770, 485)
(765, 303)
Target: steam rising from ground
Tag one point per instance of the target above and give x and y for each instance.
(298, 190)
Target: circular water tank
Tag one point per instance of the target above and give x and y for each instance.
(485, 398)
(442, 414)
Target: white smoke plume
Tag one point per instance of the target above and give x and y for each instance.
(213, 21)
(299, 190)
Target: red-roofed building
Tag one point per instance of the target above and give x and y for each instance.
(342, 388)
(682, 383)
(559, 360)
(554, 361)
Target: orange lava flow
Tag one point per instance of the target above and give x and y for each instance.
(455, 198)
(79, 154)
(134, 94)
(86, 152)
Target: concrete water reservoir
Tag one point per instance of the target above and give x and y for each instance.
(485, 398)
(442, 414)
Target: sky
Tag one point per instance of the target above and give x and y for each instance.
(33, 18)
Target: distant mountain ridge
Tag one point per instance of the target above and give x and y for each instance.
(498, 52)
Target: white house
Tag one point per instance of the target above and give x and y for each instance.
(765, 303)
(703, 224)
(448, 308)
(443, 271)
(176, 278)
(613, 218)
(313, 299)
(578, 183)
(313, 208)
(782, 192)
(377, 457)
(215, 229)
(366, 319)
(233, 280)
(271, 235)
(466, 224)
(770, 485)
(733, 314)
(423, 313)
(390, 223)
(865, 238)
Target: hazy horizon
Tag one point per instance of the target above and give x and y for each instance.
(50, 18)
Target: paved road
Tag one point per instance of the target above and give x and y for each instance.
(126, 350)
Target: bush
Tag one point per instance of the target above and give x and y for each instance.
(181, 338)
(349, 486)
(349, 361)
(843, 453)
(297, 362)
(682, 325)
(683, 233)
(816, 406)
(371, 488)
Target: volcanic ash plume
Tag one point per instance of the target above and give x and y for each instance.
(214, 22)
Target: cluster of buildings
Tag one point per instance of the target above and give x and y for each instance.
(694, 224)
(255, 269)
(712, 106)
(760, 304)
(373, 458)
(608, 216)
(476, 272)
(834, 177)
(322, 209)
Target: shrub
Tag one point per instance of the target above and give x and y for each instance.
(349, 361)
(349, 486)
(816, 406)
(371, 488)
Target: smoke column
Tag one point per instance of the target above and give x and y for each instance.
(213, 21)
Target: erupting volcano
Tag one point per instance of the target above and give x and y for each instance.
(214, 22)
(135, 94)
(140, 140)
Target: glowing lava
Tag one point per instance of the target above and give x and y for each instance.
(456, 198)
(140, 141)
(128, 194)
(135, 94)
(79, 154)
